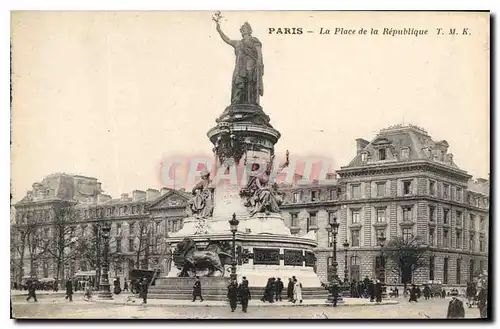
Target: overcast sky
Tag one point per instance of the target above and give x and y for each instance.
(109, 95)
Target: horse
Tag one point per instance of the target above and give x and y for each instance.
(190, 260)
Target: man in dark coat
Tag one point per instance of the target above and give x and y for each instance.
(371, 290)
(279, 289)
(455, 309)
(197, 290)
(143, 288)
(427, 292)
(482, 304)
(413, 294)
(125, 285)
(232, 294)
(289, 290)
(31, 290)
(378, 291)
(244, 293)
(69, 290)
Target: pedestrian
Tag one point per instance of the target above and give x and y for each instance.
(482, 302)
(297, 290)
(232, 294)
(267, 289)
(143, 288)
(244, 293)
(197, 290)
(279, 289)
(396, 292)
(88, 292)
(427, 292)
(378, 291)
(69, 290)
(31, 290)
(289, 289)
(334, 290)
(413, 294)
(371, 290)
(125, 285)
(117, 289)
(419, 292)
(455, 309)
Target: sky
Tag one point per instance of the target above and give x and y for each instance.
(111, 94)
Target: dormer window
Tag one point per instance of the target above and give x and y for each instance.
(382, 155)
(405, 153)
(314, 196)
(364, 157)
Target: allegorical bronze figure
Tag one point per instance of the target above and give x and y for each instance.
(247, 86)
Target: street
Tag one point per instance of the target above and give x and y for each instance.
(79, 309)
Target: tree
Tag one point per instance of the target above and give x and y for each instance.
(60, 245)
(406, 256)
(143, 232)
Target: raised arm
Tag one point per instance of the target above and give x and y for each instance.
(224, 37)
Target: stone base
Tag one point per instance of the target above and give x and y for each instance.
(105, 295)
(258, 224)
(215, 289)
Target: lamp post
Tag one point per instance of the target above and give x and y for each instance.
(381, 242)
(334, 286)
(346, 271)
(233, 223)
(105, 292)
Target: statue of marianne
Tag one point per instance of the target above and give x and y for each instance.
(247, 86)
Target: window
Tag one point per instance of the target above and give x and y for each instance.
(356, 191)
(459, 240)
(380, 232)
(407, 234)
(481, 244)
(364, 157)
(471, 242)
(158, 227)
(330, 239)
(313, 219)
(481, 223)
(382, 154)
(446, 239)
(432, 213)
(459, 270)
(118, 229)
(446, 218)
(471, 223)
(432, 187)
(380, 215)
(380, 189)
(445, 270)
(459, 194)
(481, 265)
(471, 270)
(355, 238)
(314, 196)
(354, 260)
(431, 236)
(407, 187)
(446, 188)
(405, 153)
(407, 214)
(294, 220)
(459, 218)
(118, 244)
(46, 232)
(296, 197)
(332, 194)
(431, 267)
(134, 209)
(130, 244)
(355, 216)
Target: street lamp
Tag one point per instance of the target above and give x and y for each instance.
(381, 242)
(334, 227)
(105, 292)
(346, 279)
(233, 223)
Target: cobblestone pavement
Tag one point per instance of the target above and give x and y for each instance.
(80, 309)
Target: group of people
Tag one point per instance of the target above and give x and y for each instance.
(368, 288)
(237, 293)
(273, 290)
(294, 290)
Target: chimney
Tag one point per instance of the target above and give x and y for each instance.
(449, 158)
(152, 194)
(138, 195)
(482, 180)
(103, 198)
(361, 144)
(124, 197)
(164, 190)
